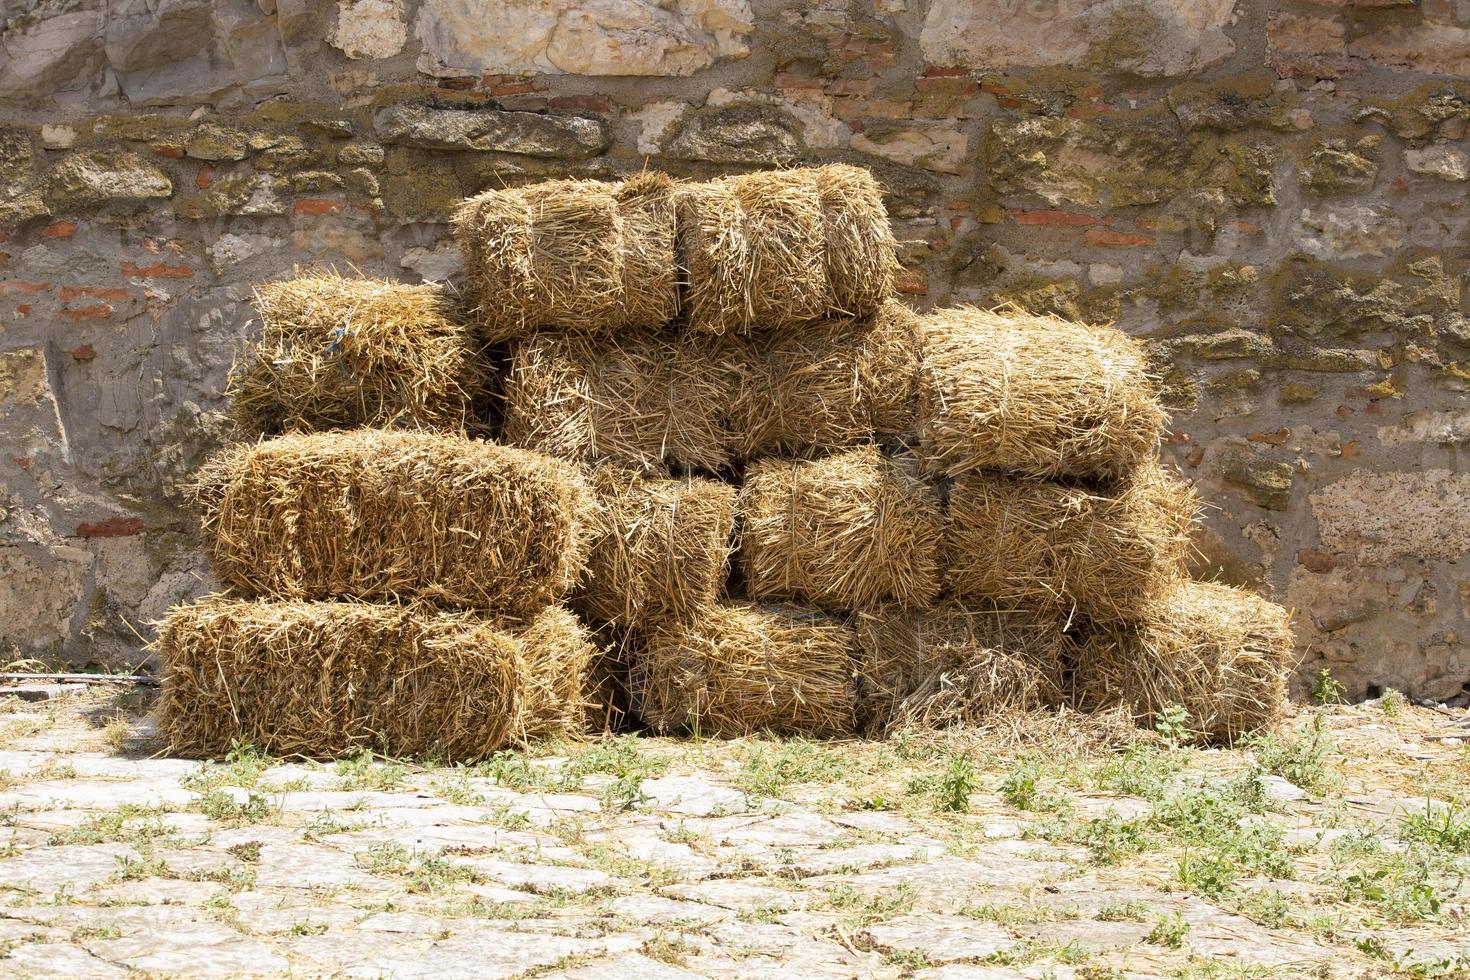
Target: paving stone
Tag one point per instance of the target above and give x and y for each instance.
(862, 857)
(541, 879)
(660, 910)
(58, 960)
(265, 913)
(623, 966)
(96, 795)
(160, 891)
(1091, 933)
(941, 938)
(312, 866)
(1121, 807)
(947, 884)
(965, 971)
(487, 953)
(192, 954)
(792, 830)
(648, 844)
(692, 795)
(360, 801)
(740, 894)
(406, 922)
(73, 866)
(876, 822)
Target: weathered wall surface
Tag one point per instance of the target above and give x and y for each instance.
(1272, 192)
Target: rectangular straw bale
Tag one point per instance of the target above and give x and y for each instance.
(1043, 545)
(1220, 652)
(1033, 394)
(834, 384)
(774, 249)
(660, 548)
(850, 531)
(733, 670)
(645, 399)
(326, 679)
(395, 516)
(955, 665)
(337, 353)
(557, 651)
(862, 255)
(580, 254)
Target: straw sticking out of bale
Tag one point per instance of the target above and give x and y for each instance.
(831, 385)
(1042, 545)
(660, 548)
(338, 353)
(773, 249)
(1217, 651)
(1034, 395)
(556, 650)
(328, 678)
(579, 254)
(395, 516)
(737, 669)
(861, 254)
(955, 665)
(851, 531)
(644, 400)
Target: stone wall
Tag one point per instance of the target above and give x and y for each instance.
(1272, 192)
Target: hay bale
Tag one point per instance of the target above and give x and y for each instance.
(644, 400)
(660, 548)
(831, 385)
(852, 531)
(955, 665)
(733, 670)
(580, 254)
(1033, 394)
(395, 516)
(776, 248)
(326, 679)
(557, 651)
(861, 255)
(337, 353)
(1218, 651)
(1037, 544)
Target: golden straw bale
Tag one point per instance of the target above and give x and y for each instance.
(326, 679)
(955, 664)
(1033, 394)
(395, 515)
(645, 399)
(834, 384)
(861, 255)
(1220, 652)
(337, 353)
(650, 295)
(1044, 545)
(557, 651)
(850, 531)
(580, 254)
(660, 547)
(777, 248)
(732, 670)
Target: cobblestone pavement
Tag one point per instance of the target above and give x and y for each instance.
(1314, 852)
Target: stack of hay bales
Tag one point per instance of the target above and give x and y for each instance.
(388, 587)
(771, 497)
(925, 520)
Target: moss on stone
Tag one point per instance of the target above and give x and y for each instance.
(1331, 167)
(1297, 393)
